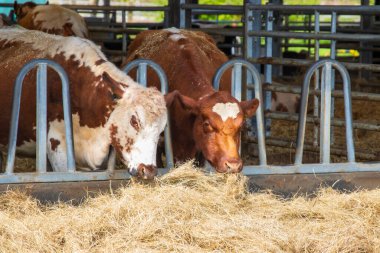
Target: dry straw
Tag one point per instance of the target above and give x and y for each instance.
(188, 211)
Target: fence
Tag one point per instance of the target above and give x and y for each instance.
(41, 175)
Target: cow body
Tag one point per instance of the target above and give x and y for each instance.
(52, 19)
(203, 121)
(108, 107)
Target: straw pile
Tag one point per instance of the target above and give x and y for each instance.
(188, 211)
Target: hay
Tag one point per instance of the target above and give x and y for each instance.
(188, 211)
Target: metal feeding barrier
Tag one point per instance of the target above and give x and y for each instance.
(259, 16)
(41, 175)
(142, 79)
(326, 87)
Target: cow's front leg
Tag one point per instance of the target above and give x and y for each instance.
(56, 150)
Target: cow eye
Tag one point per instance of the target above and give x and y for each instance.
(207, 127)
(115, 96)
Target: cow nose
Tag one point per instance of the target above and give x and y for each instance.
(146, 171)
(234, 166)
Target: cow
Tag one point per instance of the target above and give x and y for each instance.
(204, 123)
(108, 108)
(53, 19)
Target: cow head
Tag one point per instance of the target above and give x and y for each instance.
(21, 10)
(216, 130)
(135, 126)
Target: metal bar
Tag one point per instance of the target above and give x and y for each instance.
(41, 125)
(316, 80)
(325, 114)
(334, 21)
(323, 9)
(116, 8)
(258, 95)
(33, 177)
(337, 93)
(289, 144)
(236, 80)
(315, 120)
(306, 63)
(114, 30)
(268, 70)
(164, 90)
(323, 36)
(142, 74)
(182, 14)
(16, 111)
(123, 20)
(310, 168)
(233, 9)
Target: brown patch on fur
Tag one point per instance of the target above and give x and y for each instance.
(281, 108)
(114, 140)
(99, 62)
(129, 143)
(54, 144)
(92, 103)
(135, 123)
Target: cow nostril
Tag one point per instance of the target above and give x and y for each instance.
(233, 167)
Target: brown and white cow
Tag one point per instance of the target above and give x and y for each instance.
(108, 107)
(203, 121)
(52, 19)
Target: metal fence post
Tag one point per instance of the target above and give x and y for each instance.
(326, 88)
(142, 76)
(41, 114)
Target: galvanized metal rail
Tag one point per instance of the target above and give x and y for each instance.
(142, 77)
(326, 87)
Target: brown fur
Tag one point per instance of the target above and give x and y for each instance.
(190, 63)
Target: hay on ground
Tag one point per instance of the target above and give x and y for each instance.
(188, 211)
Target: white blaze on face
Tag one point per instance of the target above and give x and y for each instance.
(226, 110)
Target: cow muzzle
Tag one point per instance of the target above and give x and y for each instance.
(232, 165)
(144, 171)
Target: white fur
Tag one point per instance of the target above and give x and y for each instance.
(143, 149)
(91, 145)
(54, 17)
(176, 37)
(173, 30)
(226, 110)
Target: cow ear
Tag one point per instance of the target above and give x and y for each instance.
(186, 102)
(249, 107)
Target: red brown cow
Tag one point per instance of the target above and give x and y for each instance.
(52, 19)
(202, 120)
(108, 107)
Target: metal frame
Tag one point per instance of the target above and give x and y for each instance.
(41, 110)
(141, 76)
(41, 175)
(326, 87)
